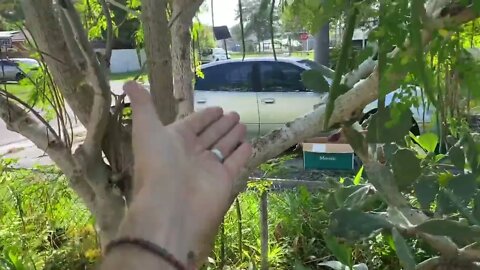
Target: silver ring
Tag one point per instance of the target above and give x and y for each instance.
(218, 154)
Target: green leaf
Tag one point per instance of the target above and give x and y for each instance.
(313, 79)
(472, 153)
(426, 189)
(358, 176)
(404, 253)
(389, 149)
(444, 204)
(406, 167)
(356, 140)
(476, 206)
(476, 6)
(344, 192)
(450, 228)
(342, 252)
(389, 129)
(457, 157)
(330, 203)
(428, 141)
(353, 225)
(357, 198)
(463, 187)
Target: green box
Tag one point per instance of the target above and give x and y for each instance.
(328, 161)
(328, 157)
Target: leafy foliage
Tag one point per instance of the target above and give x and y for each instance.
(44, 225)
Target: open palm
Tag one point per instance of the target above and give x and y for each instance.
(176, 162)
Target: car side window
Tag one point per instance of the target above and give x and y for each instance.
(8, 63)
(236, 77)
(281, 77)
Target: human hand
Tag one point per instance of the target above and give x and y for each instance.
(181, 189)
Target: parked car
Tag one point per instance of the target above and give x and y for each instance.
(15, 69)
(213, 55)
(267, 93)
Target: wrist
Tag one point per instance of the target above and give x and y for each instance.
(161, 225)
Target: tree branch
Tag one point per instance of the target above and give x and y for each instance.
(47, 32)
(125, 8)
(109, 43)
(183, 72)
(429, 264)
(21, 122)
(159, 59)
(347, 106)
(95, 76)
(33, 111)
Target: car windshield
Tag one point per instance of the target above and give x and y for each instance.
(327, 72)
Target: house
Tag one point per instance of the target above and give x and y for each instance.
(14, 43)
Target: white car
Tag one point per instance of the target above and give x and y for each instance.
(213, 55)
(15, 69)
(268, 93)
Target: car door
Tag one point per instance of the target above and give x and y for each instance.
(283, 96)
(8, 70)
(231, 86)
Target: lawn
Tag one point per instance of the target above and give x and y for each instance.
(125, 76)
(21, 91)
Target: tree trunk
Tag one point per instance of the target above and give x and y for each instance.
(159, 59)
(181, 59)
(88, 175)
(322, 45)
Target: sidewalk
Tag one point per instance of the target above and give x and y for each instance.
(29, 155)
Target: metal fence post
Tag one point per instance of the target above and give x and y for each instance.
(264, 229)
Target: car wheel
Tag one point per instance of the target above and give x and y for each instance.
(19, 77)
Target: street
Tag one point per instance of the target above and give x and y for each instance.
(14, 145)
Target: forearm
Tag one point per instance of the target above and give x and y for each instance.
(159, 224)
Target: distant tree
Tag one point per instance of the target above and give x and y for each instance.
(256, 18)
(203, 35)
(10, 14)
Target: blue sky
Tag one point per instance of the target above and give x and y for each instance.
(224, 11)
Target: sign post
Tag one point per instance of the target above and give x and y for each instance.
(304, 37)
(6, 42)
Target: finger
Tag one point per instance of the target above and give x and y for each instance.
(229, 142)
(146, 124)
(217, 130)
(237, 160)
(199, 121)
(140, 100)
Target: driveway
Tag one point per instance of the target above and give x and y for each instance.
(14, 145)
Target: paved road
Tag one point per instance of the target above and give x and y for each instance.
(9, 137)
(14, 145)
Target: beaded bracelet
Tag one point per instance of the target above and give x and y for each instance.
(155, 249)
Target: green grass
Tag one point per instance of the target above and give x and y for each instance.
(21, 91)
(125, 76)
